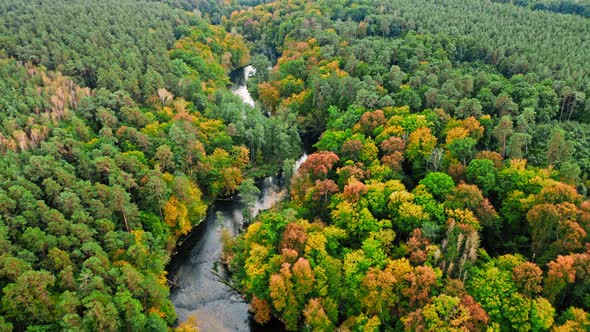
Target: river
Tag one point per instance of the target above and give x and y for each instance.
(198, 291)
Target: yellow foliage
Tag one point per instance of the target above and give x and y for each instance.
(395, 185)
(456, 133)
(252, 233)
(463, 216)
(401, 196)
(420, 143)
(138, 235)
(241, 156)
(190, 325)
(168, 178)
(316, 242)
(392, 130)
(399, 268)
(332, 67)
(176, 216)
(518, 164)
(474, 127)
(167, 110)
(295, 99)
(120, 263)
(152, 129)
(92, 141)
(162, 280)
(256, 265)
(157, 312)
(409, 210)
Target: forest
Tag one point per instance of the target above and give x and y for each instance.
(577, 7)
(448, 187)
(446, 191)
(115, 138)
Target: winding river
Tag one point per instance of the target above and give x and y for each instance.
(196, 269)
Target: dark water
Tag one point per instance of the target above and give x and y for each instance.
(196, 267)
(216, 306)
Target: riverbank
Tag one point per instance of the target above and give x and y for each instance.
(201, 284)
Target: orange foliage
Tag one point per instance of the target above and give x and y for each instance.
(456, 133)
(261, 310)
(469, 196)
(190, 325)
(316, 317)
(479, 318)
(563, 271)
(294, 237)
(351, 149)
(353, 190)
(420, 143)
(371, 120)
(392, 144)
(176, 216)
(421, 281)
(304, 278)
(269, 95)
(289, 256)
(559, 192)
(280, 287)
(555, 225)
(474, 127)
(528, 276)
(379, 295)
(347, 172)
(319, 164)
(457, 171)
(491, 155)
(417, 245)
(393, 161)
(324, 189)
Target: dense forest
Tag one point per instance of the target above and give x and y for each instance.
(117, 131)
(448, 187)
(447, 191)
(576, 7)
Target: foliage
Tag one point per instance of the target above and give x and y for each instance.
(97, 183)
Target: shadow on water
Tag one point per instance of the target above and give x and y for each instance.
(200, 280)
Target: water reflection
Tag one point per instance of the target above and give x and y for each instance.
(196, 270)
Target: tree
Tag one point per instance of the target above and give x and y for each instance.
(554, 230)
(469, 107)
(316, 317)
(462, 149)
(445, 313)
(319, 164)
(559, 150)
(131, 311)
(284, 299)
(29, 300)
(502, 132)
(482, 172)
(439, 184)
(249, 194)
(567, 280)
(494, 290)
(528, 276)
(420, 145)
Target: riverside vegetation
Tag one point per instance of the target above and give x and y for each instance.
(448, 190)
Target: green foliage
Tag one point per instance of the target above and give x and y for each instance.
(108, 178)
(100, 51)
(99, 178)
(438, 184)
(483, 173)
